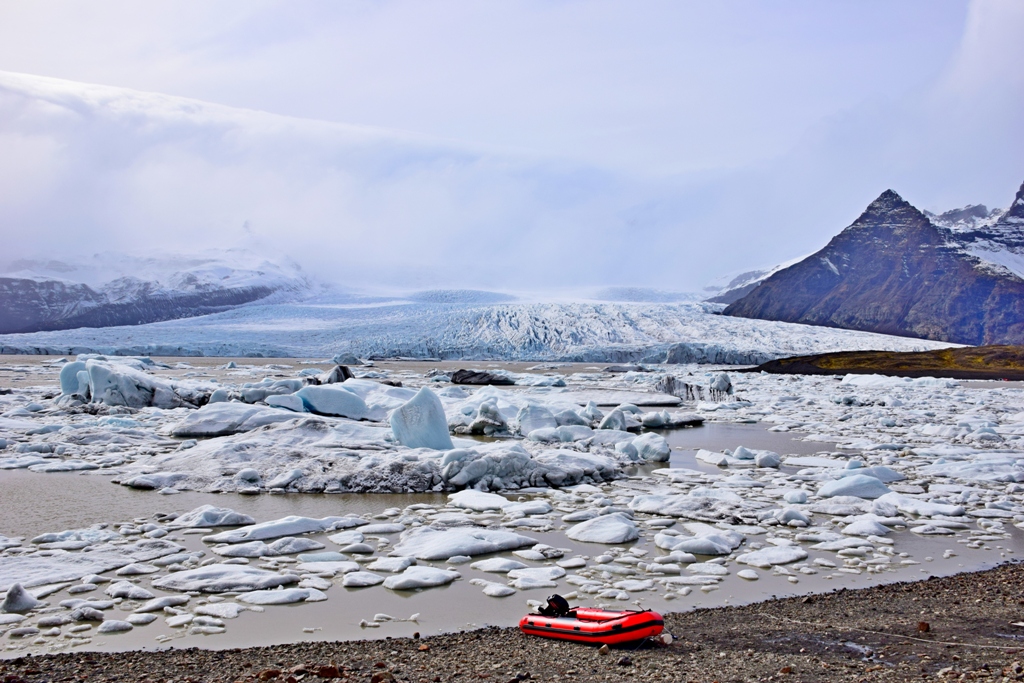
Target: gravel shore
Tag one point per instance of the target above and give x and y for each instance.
(962, 627)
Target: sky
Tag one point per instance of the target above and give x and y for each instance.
(515, 145)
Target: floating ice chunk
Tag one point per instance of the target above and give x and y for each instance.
(333, 400)
(358, 549)
(931, 530)
(392, 565)
(498, 565)
(285, 478)
(335, 567)
(615, 420)
(206, 516)
(347, 537)
(856, 485)
(539, 573)
(19, 600)
(704, 544)
(613, 528)
(471, 499)
(290, 546)
(865, 527)
(71, 383)
(812, 461)
(695, 505)
(528, 507)
(50, 568)
(842, 506)
(287, 401)
(129, 591)
(90, 536)
(221, 419)
(421, 422)
(843, 544)
(250, 549)
(564, 467)
(707, 568)
(361, 579)
(795, 497)
(221, 610)
(420, 577)
(913, 506)
(179, 620)
(493, 589)
(221, 578)
(158, 604)
(534, 417)
(652, 447)
(879, 472)
(137, 569)
(140, 619)
(790, 515)
(20, 462)
(531, 582)
(286, 526)
(425, 543)
(768, 557)
(380, 529)
(748, 574)
(282, 596)
(114, 626)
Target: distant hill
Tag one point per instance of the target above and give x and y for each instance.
(53, 295)
(956, 277)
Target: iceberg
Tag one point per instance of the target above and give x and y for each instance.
(613, 528)
(421, 422)
(221, 419)
(856, 485)
(420, 577)
(425, 543)
(206, 516)
(222, 578)
(286, 526)
(333, 400)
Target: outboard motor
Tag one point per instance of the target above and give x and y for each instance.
(557, 606)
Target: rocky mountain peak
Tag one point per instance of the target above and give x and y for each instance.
(894, 271)
(1015, 214)
(888, 201)
(887, 209)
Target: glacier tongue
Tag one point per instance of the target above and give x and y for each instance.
(580, 331)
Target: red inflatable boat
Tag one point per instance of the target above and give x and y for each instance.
(592, 625)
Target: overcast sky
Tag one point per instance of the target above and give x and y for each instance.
(499, 144)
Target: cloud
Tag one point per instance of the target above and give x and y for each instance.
(522, 145)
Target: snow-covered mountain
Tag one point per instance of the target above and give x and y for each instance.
(110, 289)
(957, 276)
(997, 239)
(733, 287)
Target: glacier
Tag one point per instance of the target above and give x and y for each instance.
(584, 331)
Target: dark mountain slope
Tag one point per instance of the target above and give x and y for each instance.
(28, 305)
(893, 271)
